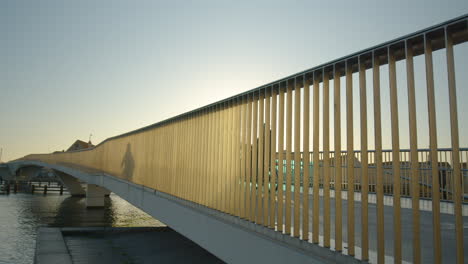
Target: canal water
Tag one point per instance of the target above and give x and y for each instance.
(21, 214)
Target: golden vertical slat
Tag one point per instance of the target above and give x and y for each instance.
(180, 159)
(288, 157)
(413, 134)
(174, 189)
(326, 159)
(177, 159)
(223, 153)
(457, 176)
(248, 195)
(378, 159)
(274, 93)
(364, 163)
(204, 172)
(254, 159)
(224, 173)
(229, 166)
(172, 146)
(316, 172)
(188, 170)
(191, 172)
(350, 156)
(186, 140)
(217, 158)
(433, 150)
(261, 156)
(209, 151)
(267, 158)
(243, 178)
(305, 147)
(197, 158)
(232, 183)
(338, 169)
(166, 142)
(280, 158)
(206, 131)
(206, 164)
(297, 158)
(395, 156)
(213, 155)
(237, 157)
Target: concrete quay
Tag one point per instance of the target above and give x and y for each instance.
(117, 245)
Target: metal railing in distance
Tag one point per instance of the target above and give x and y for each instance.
(221, 155)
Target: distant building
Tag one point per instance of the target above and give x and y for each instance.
(80, 144)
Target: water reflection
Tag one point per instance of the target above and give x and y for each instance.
(22, 214)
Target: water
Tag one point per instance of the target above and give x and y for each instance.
(21, 214)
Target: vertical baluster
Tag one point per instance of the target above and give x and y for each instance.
(248, 182)
(457, 175)
(297, 157)
(266, 163)
(189, 169)
(230, 165)
(306, 158)
(254, 157)
(237, 156)
(232, 181)
(378, 159)
(196, 157)
(338, 169)
(433, 149)
(223, 151)
(243, 165)
(261, 156)
(288, 175)
(174, 190)
(280, 158)
(273, 174)
(205, 165)
(350, 155)
(213, 157)
(364, 162)
(395, 155)
(218, 157)
(316, 164)
(326, 158)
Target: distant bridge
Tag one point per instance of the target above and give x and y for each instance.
(213, 175)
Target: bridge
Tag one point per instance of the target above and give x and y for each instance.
(256, 178)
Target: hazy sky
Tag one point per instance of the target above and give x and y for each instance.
(71, 68)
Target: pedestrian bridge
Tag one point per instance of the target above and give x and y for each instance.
(257, 178)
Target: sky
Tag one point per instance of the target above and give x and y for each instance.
(74, 68)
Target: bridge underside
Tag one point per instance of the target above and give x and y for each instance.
(221, 234)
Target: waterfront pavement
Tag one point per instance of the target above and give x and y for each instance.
(118, 245)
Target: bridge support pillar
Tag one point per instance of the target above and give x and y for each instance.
(95, 195)
(72, 184)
